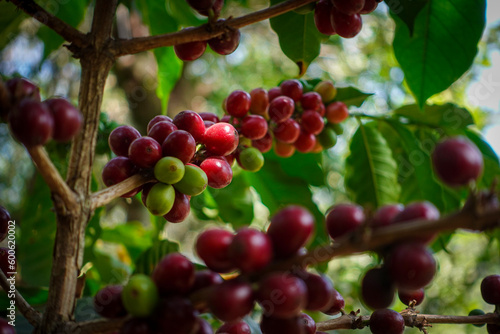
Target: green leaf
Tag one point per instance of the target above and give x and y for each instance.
(491, 162)
(371, 171)
(305, 166)
(10, 19)
(406, 10)
(299, 38)
(351, 96)
(155, 15)
(147, 261)
(132, 235)
(183, 13)
(446, 115)
(442, 47)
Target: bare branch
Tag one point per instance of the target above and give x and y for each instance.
(203, 32)
(52, 177)
(100, 326)
(66, 31)
(33, 316)
(105, 196)
(102, 22)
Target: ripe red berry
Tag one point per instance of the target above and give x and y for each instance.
(160, 131)
(117, 170)
(282, 295)
(369, 7)
(119, 139)
(21, 88)
(312, 122)
(346, 26)
(253, 127)
(216, 8)
(239, 327)
(4, 222)
(174, 274)
(349, 7)
(179, 144)
(212, 246)
(490, 289)
(336, 112)
(337, 305)
(200, 5)
(408, 296)
(6, 328)
(305, 142)
(281, 108)
(108, 302)
(156, 119)
(290, 229)
(274, 93)
(308, 323)
(218, 170)
(67, 119)
(204, 279)
(180, 210)
(385, 215)
(320, 292)
(385, 321)
(292, 88)
(283, 150)
(238, 103)
(176, 315)
(226, 43)
(31, 123)
(411, 265)
(190, 51)
(263, 144)
(311, 101)
(191, 122)
(344, 218)
(208, 116)
(231, 300)
(287, 131)
(418, 211)
(322, 17)
(377, 288)
(221, 139)
(259, 101)
(457, 161)
(250, 250)
(145, 152)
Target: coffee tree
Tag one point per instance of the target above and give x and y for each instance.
(415, 177)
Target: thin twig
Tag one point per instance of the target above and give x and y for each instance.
(52, 177)
(100, 326)
(63, 29)
(33, 316)
(203, 32)
(105, 196)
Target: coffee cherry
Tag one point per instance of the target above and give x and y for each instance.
(385, 215)
(337, 305)
(216, 8)
(385, 321)
(349, 7)
(274, 93)
(308, 323)
(219, 172)
(67, 119)
(326, 90)
(305, 142)
(287, 131)
(377, 288)
(311, 101)
(490, 289)
(194, 181)
(253, 127)
(221, 139)
(416, 211)
(493, 329)
(174, 274)
(231, 300)
(312, 122)
(190, 51)
(226, 43)
(408, 296)
(273, 325)
(212, 246)
(264, 144)
(176, 315)
(343, 219)
(281, 108)
(411, 265)
(319, 292)
(169, 170)
(180, 209)
(6, 328)
(119, 139)
(345, 25)
(457, 161)
(369, 7)
(238, 103)
(161, 130)
(21, 88)
(117, 170)
(251, 159)
(179, 144)
(250, 250)
(137, 326)
(290, 229)
(160, 199)
(157, 119)
(108, 302)
(283, 150)
(191, 122)
(204, 279)
(239, 327)
(140, 295)
(4, 222)
(208, 116)
(259, 101)
(292, 88)
(7, 265)
(292, 293)
(145, 152)
(204, 327)
(336, 112)
(327, 138)
(31, 123)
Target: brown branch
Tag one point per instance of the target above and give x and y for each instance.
(412, 319)
(100, 326)
(33, 316)
(105, 196)
(203, 32)
(52, 177)
(102, 22)
(63, 29)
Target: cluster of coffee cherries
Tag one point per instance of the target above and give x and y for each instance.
(490, 291)
(342, 17)
(288, 116)
(33, 122)
(224, 44)
(184, 155)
